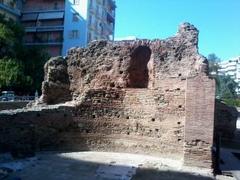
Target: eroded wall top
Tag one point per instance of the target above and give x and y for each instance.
(124, 64)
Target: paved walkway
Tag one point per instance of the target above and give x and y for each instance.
(101, 166)
(230, 164)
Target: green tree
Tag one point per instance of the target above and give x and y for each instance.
(34, 59)
(12, 75)
(25, 64)
(213, 61)
(6, 41)
(225, 87)
(11, 34)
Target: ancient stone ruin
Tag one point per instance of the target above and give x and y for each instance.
(149, 97)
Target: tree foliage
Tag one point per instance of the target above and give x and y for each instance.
(225, 85)
(213, 61)
(11, 34)
(34, 59)
(21, 67)
(12, 74)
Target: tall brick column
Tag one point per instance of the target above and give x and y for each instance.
(199, 123)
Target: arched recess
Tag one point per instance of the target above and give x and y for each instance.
(138, 73)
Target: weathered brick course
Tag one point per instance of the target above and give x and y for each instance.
(151, 97)
(199, 124)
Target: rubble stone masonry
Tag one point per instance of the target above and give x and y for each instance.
(148, 97)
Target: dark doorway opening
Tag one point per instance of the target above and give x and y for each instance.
(138, 70)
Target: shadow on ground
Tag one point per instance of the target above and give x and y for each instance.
(153, 174)
(98, 166)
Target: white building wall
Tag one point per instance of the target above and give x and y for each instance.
(93, 23)
(100, 27)
(75, 31)
(232, 69)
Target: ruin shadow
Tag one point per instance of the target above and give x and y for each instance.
(138, 71)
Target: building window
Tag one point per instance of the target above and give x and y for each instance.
(76, 2)
(104, 14)
(90, 3)
(75, 17)
(50, 37)
(89, 37)
(55, 5)
(90, 19)
(96, 25)
(97, 10)
(38, 23)
(74, 34)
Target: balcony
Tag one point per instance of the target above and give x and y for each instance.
(43, 6)
(42, 16)
(51, 21)
(99, 2)
(39, 41)
(43, 43)
(92, 8)
(110, 18)
(44, 28)
(112, 4)
(43, 38)
(92, 26)
(9, 7)
(109, 28)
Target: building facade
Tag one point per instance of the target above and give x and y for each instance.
(59, 25)
(11, 8)
(43, 21)
(231, 68)
(87, 20)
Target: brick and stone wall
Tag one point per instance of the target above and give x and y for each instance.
(148, 97)
(13, 105)
(225, 120)
(133, 120)
(199, 124)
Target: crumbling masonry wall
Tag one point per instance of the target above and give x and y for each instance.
(140, 96)
(199, 123)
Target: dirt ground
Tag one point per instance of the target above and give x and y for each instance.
(99, 166)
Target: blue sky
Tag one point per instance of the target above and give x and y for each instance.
(217, 20)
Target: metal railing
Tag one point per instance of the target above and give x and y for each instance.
(17, 98)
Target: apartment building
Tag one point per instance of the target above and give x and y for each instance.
(232, 69)
(44, 24)
(87, 20)
(59, 25)
(11, 8)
